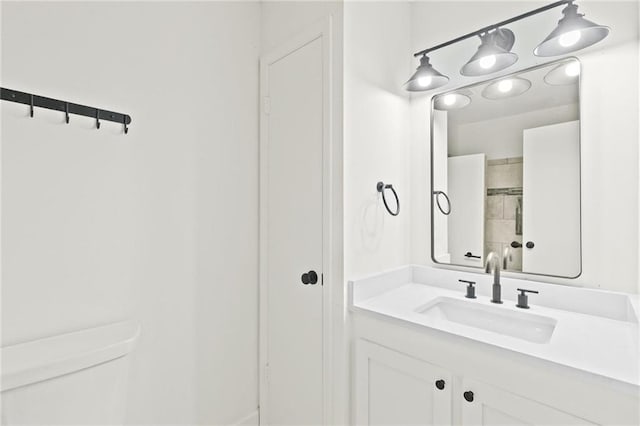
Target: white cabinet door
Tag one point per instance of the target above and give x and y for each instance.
(551, 200)
(396, 389)
(440, 220)
(492, 406)
(466, 181)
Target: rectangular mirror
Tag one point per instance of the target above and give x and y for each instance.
(505, 172)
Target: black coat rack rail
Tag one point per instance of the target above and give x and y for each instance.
(64, 106)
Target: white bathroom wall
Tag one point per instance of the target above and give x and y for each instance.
(376, 132)
(481, 136)
(159, 225)
(609, 142)
(376, 136)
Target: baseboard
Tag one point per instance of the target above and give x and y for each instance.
(250, 420)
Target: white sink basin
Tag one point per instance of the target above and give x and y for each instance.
(497, 319)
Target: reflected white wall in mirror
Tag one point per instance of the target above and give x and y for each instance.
(509, 161)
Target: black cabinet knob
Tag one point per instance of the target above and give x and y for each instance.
(440, 384)
(515, 244)
(468, 395)
(530, 244)
(310, 277)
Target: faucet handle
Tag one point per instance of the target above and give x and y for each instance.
(471, 290)
(523, 299)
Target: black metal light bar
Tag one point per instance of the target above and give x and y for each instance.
(494, 26)
(64, 106)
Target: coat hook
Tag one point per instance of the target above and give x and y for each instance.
(31, 105)
(66, 112)
(124, 121)
(97, 118)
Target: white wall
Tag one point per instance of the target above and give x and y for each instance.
(609, 115)
(376, 132)
(376, 136)
(159, 225)
(481, 136)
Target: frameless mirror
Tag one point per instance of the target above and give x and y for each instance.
(505, 172)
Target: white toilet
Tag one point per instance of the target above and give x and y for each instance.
(78, 378)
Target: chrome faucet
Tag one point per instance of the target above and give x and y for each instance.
(493, 267)
(506, 257)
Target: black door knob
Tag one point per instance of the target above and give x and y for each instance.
(440, 384)
(310, 277)
(530, 244)
(468, 395)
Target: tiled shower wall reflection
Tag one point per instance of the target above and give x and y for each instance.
(502, 208)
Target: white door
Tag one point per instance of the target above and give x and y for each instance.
(551, 200)
(396, 389)
(440, 220)
(487, 405)
(293, 140)
(466, 181)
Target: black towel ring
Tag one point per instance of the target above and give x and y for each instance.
(437, 194)
(381, 187)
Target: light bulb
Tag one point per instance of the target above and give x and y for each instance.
(572, 69)
(424, 81)
(488, 61)
(505, 85)
(449, 99)
(569, 38)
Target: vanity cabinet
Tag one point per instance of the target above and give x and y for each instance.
(490, 406)
(498, 364)
(394, 388)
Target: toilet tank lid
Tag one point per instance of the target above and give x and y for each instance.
(43, 359)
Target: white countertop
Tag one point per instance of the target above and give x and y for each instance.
(596, 331)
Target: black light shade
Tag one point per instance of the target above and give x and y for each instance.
(572, 33)
(425, 77)
(492, 55)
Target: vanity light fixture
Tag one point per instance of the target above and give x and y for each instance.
(493, 54)
(426, 77)
(451, 101)
(506, 88)
(572, 33)
(565, 73)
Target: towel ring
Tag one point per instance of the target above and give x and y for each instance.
(437, 194)
(381, 187)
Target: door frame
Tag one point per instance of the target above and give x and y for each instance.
(331, 214)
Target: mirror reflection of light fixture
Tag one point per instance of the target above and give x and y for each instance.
(425, 78)
(572, 33)
(450, 101)
(506, 88)
(493, 54)
(563, 74)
